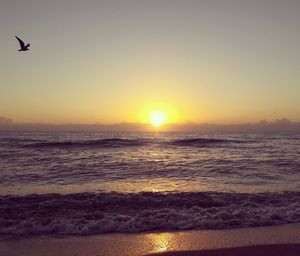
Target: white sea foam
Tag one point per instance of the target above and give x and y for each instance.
(89, 213)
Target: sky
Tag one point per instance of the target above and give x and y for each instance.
(218, 61)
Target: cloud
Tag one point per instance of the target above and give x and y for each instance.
(279, 125)
(5, 120)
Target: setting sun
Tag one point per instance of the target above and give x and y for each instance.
(157, 118)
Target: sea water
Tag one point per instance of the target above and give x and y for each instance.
(87, 183)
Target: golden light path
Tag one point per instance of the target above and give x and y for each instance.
(161, 242)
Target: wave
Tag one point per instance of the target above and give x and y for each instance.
(199, 142)
(114, 142)
(119, 142)
(95, 213)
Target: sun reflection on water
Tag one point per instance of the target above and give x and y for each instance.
(161, 242)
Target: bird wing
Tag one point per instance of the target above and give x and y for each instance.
(22, 44)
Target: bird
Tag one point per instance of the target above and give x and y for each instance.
(23, 47)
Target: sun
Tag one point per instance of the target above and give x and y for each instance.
(157, 118)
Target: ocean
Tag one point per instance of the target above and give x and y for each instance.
(77, 183)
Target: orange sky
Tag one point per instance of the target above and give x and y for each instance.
(113, 61)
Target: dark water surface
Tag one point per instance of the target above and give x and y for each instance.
(87, 183)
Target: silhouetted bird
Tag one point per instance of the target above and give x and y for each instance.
(23, 47)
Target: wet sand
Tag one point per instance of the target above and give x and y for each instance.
(259, 250)
(243, 241)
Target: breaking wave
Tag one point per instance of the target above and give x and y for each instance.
(94, 213)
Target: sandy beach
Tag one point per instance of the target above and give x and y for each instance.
(243, 241)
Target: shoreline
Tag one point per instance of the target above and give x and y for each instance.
(196, 242)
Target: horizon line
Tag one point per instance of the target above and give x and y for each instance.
(277, 125)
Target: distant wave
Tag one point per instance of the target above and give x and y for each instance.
(119, 142)
(94, 213)
(114, 142)
(198, 142)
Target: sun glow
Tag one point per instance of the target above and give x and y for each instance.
(157, 118)
(158, 115)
